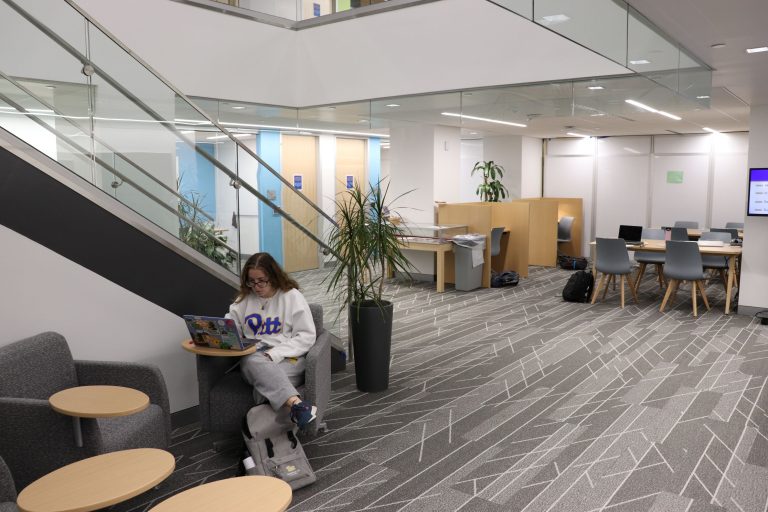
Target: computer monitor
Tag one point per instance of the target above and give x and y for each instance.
(757, 199)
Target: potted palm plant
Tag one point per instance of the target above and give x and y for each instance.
(491, 189)
(367, 245)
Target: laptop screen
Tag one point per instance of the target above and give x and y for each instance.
(631, 233)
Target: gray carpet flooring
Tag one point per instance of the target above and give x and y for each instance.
(513, 400)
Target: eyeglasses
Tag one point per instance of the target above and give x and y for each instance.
(261, 283)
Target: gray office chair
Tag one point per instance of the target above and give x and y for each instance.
(225, 397)
(7, 489)
(692, 224)
(736, 225)
(679, 234)
(496, 240)
(684, 264)
(612, 259)
(733, 232)
(710, 261)
(564, 226)
(35, 439)
(645, 258)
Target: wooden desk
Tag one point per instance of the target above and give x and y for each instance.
(732, 252)
(242, 494)
(216, 352)
(97, 402)
(97, 482)
(439, 249)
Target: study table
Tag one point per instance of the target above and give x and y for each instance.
(97, 482)
(241, 494)
(439, 248)
(97, 402)
(731, 252)
(695, 234)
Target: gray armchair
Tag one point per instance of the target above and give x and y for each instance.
(225, 397)
(35, 440)
(7, 490)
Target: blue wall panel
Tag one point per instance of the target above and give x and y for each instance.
(374, 160)
(270, 224)
(196, 174)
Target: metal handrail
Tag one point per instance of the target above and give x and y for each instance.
(200, 111)
(89, 68)
(67, 140)
(113, 150)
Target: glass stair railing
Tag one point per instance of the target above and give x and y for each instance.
(83, 99)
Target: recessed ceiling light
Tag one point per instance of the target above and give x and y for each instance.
(50, 86)
(639, 62)
(595, 87)
(702, 97)
(223, 136)
(392, 105)
(717, 45)
(554, 19)
(40, 110)
(473, 133)
(642, 105)
(462, 116)
(363, 121)
(710, 130)
(599, 114)
(574, 134)
(238, 107)
(671, 116)
(758, 49)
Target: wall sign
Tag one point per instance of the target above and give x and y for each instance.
(350, 181)
(316, 9)
(675, 177)
(297, 181)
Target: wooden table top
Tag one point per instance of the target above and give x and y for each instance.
(97, 482)
(241, 494)
(661, 246)
(99, 401)
(216, 352)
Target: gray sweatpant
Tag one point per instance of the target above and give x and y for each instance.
(272, 382)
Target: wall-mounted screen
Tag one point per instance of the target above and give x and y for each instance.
(757, 201)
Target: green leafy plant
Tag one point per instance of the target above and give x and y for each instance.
(199, 233)
(491, 189)
(366, 244)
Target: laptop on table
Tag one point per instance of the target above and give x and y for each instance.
(216, 332)
(632, 235)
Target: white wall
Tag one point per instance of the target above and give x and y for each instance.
(266, 64)
(44, 291)
(627, 177)
(447, 166)
(531, 171)
(506, 151)
(471, 153)
(753, 293)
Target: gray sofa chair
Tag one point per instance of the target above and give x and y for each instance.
(225, 397)
(7, 490)
(35, 439)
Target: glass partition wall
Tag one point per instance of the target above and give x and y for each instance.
(86, 102)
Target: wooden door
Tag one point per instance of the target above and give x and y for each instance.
(299, 158)
(350, 161)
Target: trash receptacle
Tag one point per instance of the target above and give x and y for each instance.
(468, 253)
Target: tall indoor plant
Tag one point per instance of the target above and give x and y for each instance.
(367, 245)
(491, 189)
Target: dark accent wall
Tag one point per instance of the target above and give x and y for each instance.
(40, 208)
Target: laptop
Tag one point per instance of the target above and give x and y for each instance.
(632, 235)
(216, 332)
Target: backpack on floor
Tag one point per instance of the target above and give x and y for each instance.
(579, 287)
(571, 262)
(510, 278)
(274, 449)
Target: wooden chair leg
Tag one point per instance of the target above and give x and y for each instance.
(621, 280)
(640, 273)
(670, 285)
(607, 285)
(613, 280)
(703, 294)
(633, 288)
(660, 272)
(693, 299)
(725, 281)
(597, 288)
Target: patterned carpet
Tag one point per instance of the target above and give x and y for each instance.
(513, 400)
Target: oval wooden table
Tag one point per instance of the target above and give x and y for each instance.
(97, 402)
(216, 352)
(97, 482)
(241, 494)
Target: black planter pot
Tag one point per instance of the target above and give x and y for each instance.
(371, 327)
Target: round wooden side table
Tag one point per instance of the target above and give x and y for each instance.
(241, 494)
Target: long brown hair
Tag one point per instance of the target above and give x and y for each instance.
(264, 261)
